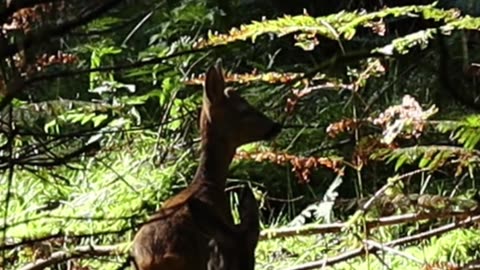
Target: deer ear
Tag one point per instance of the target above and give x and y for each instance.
(214, 84)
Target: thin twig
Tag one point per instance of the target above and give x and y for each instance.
(386, 248)
(380, 192)
(61, 256)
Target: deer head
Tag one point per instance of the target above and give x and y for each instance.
(229, 117)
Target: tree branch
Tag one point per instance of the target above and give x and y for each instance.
(370, 248)
(337, 227)
(61, 256)
(118, 249)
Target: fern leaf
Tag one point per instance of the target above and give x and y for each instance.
(333, 26)
(432, 157)
(465, 131)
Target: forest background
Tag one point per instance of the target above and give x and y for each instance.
(376, 167)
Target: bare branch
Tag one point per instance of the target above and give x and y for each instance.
(380, 192)
(361, 251)
(121, 249)
(337, 227)
(61, 256)
(386, 248)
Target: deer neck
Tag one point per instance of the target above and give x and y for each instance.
(216, 156)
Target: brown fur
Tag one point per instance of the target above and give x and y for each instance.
(235, 245)
(173, 239)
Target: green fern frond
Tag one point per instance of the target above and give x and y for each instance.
(431, 157)
(422, 37)
(465, 131)
(334, 26)
(343, 25)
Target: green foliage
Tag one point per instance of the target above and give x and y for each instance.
(430, 157)
(103, 23)
(99, 52)
(333, 26)
(344, 25)
(86, 202)
(465, 131)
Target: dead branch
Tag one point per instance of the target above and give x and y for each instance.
(269, 234)
(382, 190)
(435, 232)
(337, 227)
(385, 248)
(119, 249)
(370, 249)
(61, 256)
(59, 235)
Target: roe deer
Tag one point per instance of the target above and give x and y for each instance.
(172, 239)
(233, 246)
